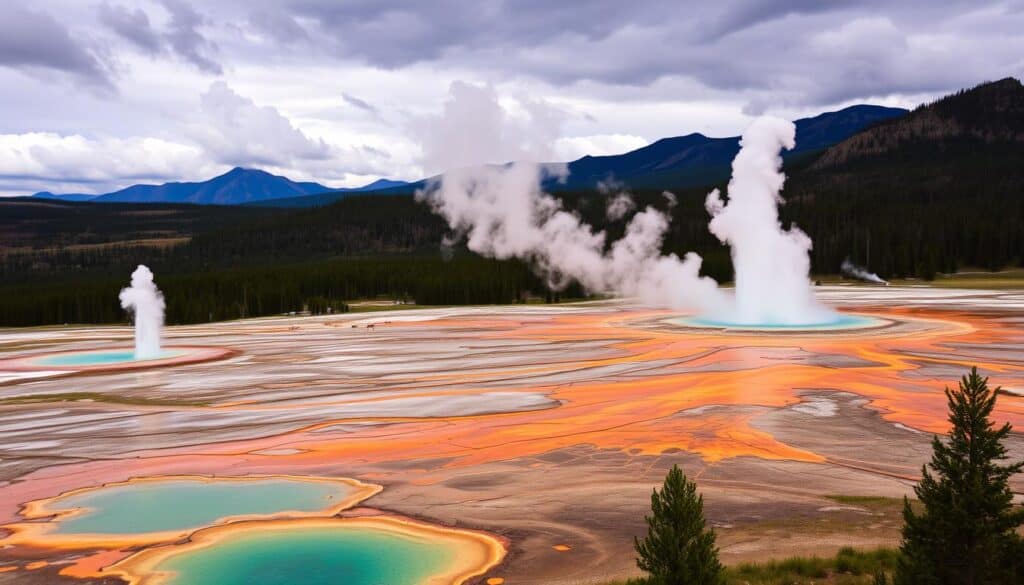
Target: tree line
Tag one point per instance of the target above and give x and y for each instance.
(252, 291)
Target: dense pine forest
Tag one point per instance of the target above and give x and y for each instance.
(272, 289)
(937, 190)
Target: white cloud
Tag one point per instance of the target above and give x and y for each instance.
(41, 160)
(236, 131)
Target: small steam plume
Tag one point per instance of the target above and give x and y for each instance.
(853, 271)
(145, 301)
(502, 212)
(619, 206)
(620, 202)
(771, 263)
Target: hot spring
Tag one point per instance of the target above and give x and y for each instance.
(839, 322)
(103, 357)
(355, 551)
(145, 302)
(163, 509)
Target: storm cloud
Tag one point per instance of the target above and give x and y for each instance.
(804, 51)
(181, 38)
(34, 40)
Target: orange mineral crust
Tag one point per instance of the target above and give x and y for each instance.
(657, 389)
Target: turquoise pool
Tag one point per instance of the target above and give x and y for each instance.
(842, 321)
(313, 556)
(186, 504)
(99, 358)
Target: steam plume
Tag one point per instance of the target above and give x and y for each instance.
(619, 206)
(502, 212)
(146, 302)
(852, 270)
(771, 263)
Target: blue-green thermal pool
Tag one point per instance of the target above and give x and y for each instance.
(186, 504)
(841, 321)
(313, 556)
(100, 358)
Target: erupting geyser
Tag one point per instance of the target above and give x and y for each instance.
(145, 301)
(771, 263)
(503, 213)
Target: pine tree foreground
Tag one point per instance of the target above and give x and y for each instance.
(966, 534)
(678, 550)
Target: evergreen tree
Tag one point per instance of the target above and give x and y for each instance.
(966, 534)
(678, 550)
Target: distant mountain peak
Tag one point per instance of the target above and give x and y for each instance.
(243, 171)
(236, 186)
(382, 184)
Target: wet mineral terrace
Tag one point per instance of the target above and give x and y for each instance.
(545, 425)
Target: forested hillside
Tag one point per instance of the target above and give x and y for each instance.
(937, 189)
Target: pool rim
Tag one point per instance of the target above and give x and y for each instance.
(191, 354)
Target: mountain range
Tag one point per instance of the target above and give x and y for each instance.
(677, 162)
(235, 187)
(697, 160)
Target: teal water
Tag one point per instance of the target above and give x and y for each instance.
(313, 556)
(98, 358)
(842, 321)
(185, 504)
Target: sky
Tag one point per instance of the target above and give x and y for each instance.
(95, 96)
